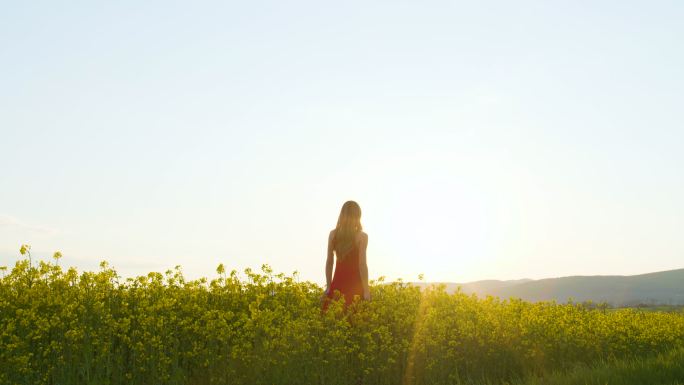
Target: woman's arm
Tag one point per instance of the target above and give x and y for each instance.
(363, 266)
(329, 262)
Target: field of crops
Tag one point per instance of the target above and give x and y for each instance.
(66, 327)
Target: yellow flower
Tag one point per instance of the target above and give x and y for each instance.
(24, 249)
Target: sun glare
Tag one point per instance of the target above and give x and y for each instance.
(440, 228)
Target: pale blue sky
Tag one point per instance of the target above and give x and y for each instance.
(481, 139)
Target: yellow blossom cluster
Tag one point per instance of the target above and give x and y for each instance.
(66, 327)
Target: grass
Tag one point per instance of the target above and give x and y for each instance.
(663, 369)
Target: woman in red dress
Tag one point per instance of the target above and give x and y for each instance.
(348, 243)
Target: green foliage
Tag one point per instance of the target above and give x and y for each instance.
(662, 369)
(66, 327)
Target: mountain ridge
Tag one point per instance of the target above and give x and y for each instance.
(661, 287)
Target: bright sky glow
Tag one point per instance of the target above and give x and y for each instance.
(482, 140)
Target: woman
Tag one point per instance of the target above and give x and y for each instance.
(348, 242)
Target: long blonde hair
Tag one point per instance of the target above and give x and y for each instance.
(348, 225)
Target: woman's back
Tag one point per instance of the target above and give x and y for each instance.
(347, 277)
(350, 258)
(347, 247)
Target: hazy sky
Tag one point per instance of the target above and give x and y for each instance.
(481, 139)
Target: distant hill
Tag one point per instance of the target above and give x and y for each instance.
(477, 287)
(665, 287)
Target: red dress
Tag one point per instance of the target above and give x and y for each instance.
(347, 278)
